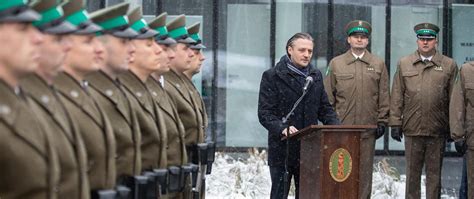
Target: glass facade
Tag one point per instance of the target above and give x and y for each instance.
(246, 37)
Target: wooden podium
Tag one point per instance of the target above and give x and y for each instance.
(329, 160)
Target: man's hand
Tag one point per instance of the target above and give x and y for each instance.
(460, 146)
(292, 130)
(397, 133)
(381, 129)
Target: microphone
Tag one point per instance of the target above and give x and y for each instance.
(309, 79)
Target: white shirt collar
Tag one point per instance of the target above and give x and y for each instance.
(358, 57)
(426, 58)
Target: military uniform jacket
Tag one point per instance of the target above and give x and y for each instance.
(180, 95)
(358, 89)
(29, 164)
(65, 138)
(199, 104)
(461, 108)
(120, 111)
(420, 95)
(153, 145)
(95, 129)
(176, 148)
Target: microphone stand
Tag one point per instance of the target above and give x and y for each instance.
(286, 120)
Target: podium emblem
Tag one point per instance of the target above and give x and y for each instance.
(340, 165)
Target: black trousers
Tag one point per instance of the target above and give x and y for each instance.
(277, 174)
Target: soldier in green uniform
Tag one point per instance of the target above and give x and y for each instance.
(357, 87)
(29, 164)
(116, 103)
(419, 110)
(93, 123)
(176, 152)
(196, 64)
(461, 119)
(66, 139)
(144, 62)
(175, 86)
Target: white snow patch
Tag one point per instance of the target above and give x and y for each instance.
(250, 178)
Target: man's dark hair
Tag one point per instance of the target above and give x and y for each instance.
(300, 35)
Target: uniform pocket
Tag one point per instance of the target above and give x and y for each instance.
(470, 93)
(411, 81)
(344, 76)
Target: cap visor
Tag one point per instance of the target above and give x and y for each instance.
(27, 15)
(166, 41)
(127, 33)
(198, 46)
(426, 36)
(148, 34)
(359, 33)
(63, 28)
(187, 40)
(89, 29)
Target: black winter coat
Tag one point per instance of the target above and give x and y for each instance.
(279, 89)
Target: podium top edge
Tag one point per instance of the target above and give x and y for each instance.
(339, 127)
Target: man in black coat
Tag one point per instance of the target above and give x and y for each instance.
(280, 88)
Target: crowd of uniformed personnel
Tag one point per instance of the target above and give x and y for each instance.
(99, 105)
(430, 104)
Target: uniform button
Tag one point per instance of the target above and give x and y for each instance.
(56, 189)
(418, 89)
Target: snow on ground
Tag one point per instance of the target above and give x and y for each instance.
(250, 178)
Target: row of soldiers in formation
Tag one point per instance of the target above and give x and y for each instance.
(430, 103)
(99, 105)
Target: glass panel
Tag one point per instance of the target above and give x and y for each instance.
(463, 44)
(247, 54)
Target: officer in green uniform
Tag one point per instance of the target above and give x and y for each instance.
(93, 123)
(175, 86)
(117, 104)
(196, 64)
(143, 63)
(66, 139)
(176, 152)
(461, 120)
(29, 164)
(419, 110)
(357, 87)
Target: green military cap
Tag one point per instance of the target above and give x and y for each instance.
(75, 13)
(193, 31)
(139, 24)
(426, 30)
(178, 31)
(17, 11)
(159, 24)
(52, 18)
(358, 26)
(113, 20)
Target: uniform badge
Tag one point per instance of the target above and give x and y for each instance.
(438, 68)
(109, 92)
(370, 68)
(44, 99)
(74, 94)
(4, 109)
